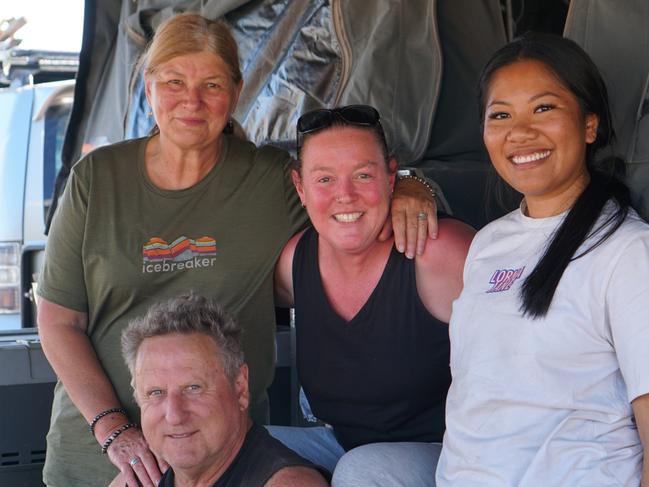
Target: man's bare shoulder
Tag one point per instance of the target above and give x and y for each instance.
(297, 477)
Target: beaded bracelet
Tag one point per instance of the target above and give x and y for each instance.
(96, 419)
(115, 434)
(422, 181)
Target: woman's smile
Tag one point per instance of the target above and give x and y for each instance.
(526, 157)
(536, 135)
(348, 217)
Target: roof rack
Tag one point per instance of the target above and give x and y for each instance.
(27, 66)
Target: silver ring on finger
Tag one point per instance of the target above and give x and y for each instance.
(134, 461)
(421, 216)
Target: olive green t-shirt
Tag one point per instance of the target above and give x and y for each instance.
(118, 244)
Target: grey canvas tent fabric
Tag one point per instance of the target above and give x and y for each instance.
(455, 158)
(616, 35)
(296, 55)
(416, 60)
(300, 55)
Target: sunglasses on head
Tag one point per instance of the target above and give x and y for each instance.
(361, 115)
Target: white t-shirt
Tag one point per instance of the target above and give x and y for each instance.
(546, 402)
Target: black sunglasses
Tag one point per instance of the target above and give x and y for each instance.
(322, 118)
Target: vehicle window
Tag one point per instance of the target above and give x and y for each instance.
(56, 121)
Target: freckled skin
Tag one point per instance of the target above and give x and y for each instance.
(529, 113)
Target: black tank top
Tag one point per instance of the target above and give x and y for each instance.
(384, 375)
(261, 456)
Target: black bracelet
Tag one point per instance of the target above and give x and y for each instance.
(113, 436)
(96, 419)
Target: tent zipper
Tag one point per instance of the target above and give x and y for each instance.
(345, 48)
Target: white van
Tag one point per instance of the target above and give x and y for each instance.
(33, 119)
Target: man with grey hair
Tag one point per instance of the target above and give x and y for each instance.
(191, 383)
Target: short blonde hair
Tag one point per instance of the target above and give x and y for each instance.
(189, 33)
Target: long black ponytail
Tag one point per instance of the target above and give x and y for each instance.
(577, 72)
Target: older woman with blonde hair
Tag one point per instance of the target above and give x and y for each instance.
(188, 208)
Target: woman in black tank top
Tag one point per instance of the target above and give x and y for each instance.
(372, 339)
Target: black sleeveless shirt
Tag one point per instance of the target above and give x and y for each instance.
(261, 456)
(384, 375)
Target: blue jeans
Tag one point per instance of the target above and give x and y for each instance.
(407, 464)
(317, 444)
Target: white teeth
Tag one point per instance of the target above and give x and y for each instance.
(531, 157)
(348, 217)
(184, 435)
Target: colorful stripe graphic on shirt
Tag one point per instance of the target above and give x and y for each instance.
(180, 250)
(502, 279)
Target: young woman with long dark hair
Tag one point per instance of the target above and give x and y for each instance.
(549, 337)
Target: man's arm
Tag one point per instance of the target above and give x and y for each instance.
(297, 477)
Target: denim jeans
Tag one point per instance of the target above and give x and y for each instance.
(317, 443)
(407, 464)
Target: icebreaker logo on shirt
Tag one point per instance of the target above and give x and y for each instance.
(503, 279)
(182, 253)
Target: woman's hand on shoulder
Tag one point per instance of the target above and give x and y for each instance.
(413, 217)
(131, 455)
(440, 268)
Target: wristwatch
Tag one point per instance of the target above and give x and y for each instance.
(406, 172)
(410, 171)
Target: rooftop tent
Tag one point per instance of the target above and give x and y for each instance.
(298, 55)
(417, 61)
